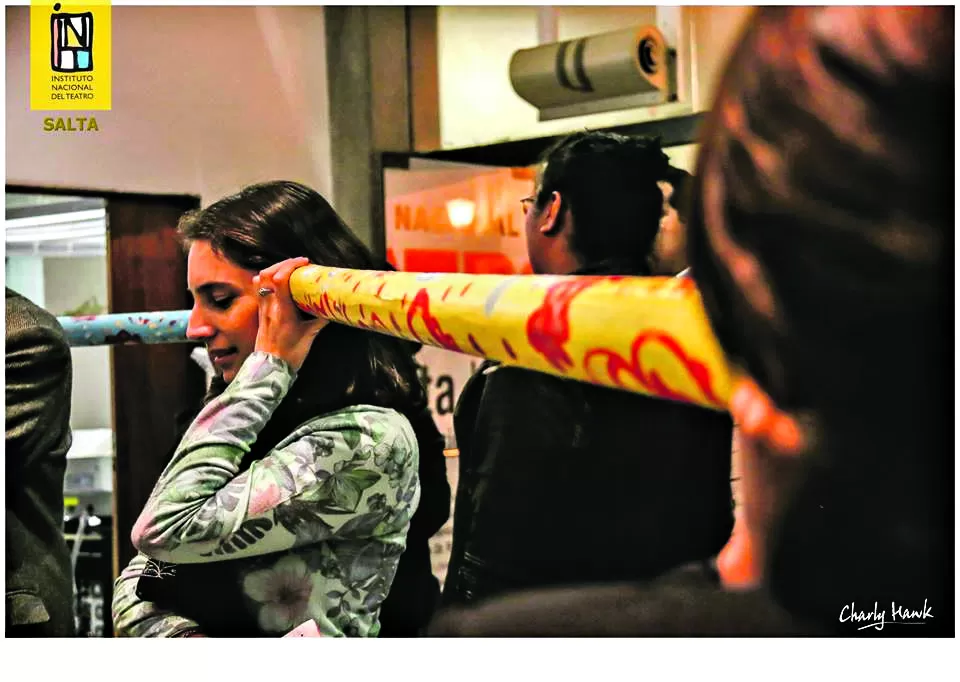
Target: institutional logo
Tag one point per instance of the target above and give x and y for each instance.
(71, 41)
(70, 55)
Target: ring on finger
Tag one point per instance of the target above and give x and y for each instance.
(264, 291)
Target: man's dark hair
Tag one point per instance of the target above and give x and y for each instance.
(608, 183)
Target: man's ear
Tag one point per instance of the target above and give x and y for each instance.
(551, 217)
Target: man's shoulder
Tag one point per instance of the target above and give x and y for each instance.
(22, 314)
(522, 374)
(522, 381)
(511, 379)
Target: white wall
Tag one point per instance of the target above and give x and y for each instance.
(205, 100)
(24, 274)
(478, 104)
(576, 22)
(68, 282)
(713, 32)
(59, 285)
(683, 156)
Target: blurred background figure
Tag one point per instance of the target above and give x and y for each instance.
(670, 248)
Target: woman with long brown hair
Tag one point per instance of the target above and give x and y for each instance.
(289, 498)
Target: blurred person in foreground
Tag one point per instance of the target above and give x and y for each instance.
(820, 218)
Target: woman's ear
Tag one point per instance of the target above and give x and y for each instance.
(756, 416)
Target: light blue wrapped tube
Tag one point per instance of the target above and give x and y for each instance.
(169, 326)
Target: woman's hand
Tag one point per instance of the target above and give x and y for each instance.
(282, 331)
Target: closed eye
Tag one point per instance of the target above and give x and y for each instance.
(222, 302)
(216, 295)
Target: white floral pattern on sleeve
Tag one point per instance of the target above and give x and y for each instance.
(313, 530)
(203, 507)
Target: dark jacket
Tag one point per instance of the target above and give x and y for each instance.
(563, 482)
(39, 583)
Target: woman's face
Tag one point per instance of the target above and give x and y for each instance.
(225, 313)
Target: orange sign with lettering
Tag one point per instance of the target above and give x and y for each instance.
(472, 225)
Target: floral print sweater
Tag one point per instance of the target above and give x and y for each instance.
(314, 530)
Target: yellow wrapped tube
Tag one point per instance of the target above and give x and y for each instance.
(643, 334)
